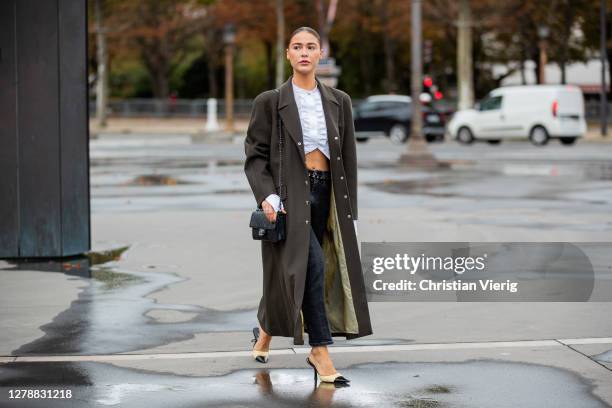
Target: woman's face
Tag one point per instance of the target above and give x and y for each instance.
(304, 52)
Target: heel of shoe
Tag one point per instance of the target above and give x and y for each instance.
(313, 368)
(259, 356)
(335, 378)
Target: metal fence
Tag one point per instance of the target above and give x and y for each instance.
(179, 108)
(185, 108)
(196, 108)
(592, 109)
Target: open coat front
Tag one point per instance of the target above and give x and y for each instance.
(285, 263)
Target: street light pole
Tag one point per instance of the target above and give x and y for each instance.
(603, 95)
(417, 153)
(280, 43)
(229, 38)
(543, 32)
(102, 80)
(417, 74)
(465, 80)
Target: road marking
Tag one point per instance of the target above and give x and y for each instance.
(305, 350)
(595, 340)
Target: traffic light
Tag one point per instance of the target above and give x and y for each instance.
(427, 51)
(430, 88)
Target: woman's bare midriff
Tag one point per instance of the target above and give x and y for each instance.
(316, 160)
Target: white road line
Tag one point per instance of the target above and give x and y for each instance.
(305, 350)
(596, 340)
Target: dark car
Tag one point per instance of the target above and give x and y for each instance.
(391, 115)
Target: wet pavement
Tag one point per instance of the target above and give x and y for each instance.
(499, 376)
(210, 176)
(113, 298)
(160, 312)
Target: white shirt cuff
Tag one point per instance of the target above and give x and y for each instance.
(355, 224)
(274, 201)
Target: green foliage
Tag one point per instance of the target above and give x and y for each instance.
(251, 76)
(130, 80)
(194, 79)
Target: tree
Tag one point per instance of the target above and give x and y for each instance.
(591, 28)
(370, 39)
(160, 30)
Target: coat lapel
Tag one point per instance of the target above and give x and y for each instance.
(331, 109)
(291, 118)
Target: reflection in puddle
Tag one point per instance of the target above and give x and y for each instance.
(474, 383)
(114, 280)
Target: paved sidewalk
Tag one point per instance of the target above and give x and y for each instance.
(160, 312)
(549, 373)
(163, 126)
(189, 301)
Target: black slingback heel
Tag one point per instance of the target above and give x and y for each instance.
(336, 378)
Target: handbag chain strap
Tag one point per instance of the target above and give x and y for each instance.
(282, 189)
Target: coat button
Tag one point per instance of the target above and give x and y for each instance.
(345, 196)
(306, 181)
(349, 216)
(306, 221)
(336, 137)
(299, 143)
(307, 202)
(341, 177)
(338, 157)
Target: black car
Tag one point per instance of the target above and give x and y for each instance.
(390, 115)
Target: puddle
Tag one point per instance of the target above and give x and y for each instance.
(544, 182)
(599, 171)
(419, 186)
(577, 170)
(116, 299)
(155, 180)
(112, 280)
(474, 383)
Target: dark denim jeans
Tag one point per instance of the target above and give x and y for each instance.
(313, 306)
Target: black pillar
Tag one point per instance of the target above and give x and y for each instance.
(44, 150)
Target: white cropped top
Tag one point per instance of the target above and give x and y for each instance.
(314, 129)
(312, 118)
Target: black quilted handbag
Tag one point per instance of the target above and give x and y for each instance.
(262, 228)
(265, 230)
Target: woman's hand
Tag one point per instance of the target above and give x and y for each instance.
(269, 211)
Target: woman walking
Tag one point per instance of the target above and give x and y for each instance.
(312, 280)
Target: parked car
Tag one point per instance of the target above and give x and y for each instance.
(535, 112)
(390, 115)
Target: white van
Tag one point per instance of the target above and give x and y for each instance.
(537, 112)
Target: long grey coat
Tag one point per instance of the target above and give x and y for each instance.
(285, 263)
